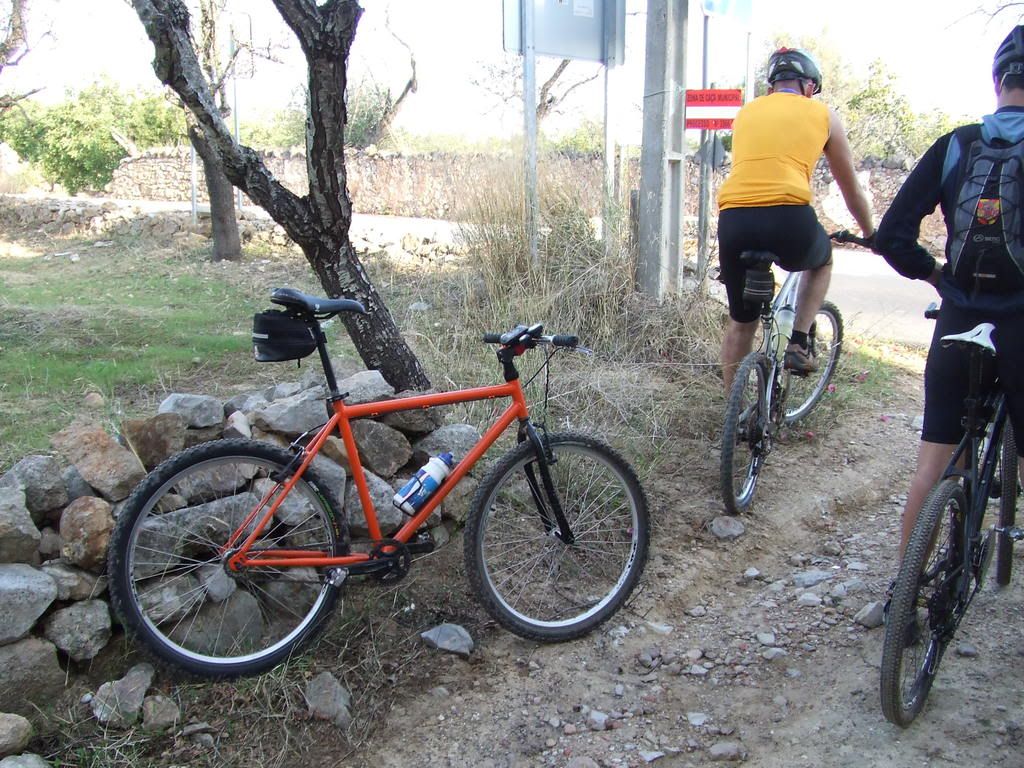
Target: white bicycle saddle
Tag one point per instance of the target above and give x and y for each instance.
(980, 334)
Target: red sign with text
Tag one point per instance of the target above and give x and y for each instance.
(715, 97)
(712, 109)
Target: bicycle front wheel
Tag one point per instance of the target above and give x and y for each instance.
(169, 581)
(526, 577)
(1009, 488)
(825, 342)
(745, 438)
(922, 614)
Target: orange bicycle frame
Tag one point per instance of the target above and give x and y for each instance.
(340, 423)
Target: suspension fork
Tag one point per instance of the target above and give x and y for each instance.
(549, 506)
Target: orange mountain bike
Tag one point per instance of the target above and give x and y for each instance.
(231, 554)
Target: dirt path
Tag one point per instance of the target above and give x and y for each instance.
(712, 662)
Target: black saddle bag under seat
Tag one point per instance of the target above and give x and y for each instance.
(277, 336)
(758, 284)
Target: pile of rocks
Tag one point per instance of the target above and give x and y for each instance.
(57, 513)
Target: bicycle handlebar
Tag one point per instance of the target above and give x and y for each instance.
(846, 236)
(558, 340)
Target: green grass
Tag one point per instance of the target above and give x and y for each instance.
(119, 321)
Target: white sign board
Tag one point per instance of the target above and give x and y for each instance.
(593, 30)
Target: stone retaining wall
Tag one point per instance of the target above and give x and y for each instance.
(57, 512)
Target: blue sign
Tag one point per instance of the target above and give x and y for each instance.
(740, 10)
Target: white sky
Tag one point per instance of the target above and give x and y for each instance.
(939, 51)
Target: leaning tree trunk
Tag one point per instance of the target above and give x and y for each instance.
(227, 246)
(319, 222)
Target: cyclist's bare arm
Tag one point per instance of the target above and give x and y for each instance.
(840, 162)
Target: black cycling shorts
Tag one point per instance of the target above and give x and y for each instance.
(791, 232)
(946, 373)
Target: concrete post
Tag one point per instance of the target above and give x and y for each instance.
(662, 157)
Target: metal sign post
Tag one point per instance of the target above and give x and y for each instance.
(530, 130)
(711, 110)
(593, 30)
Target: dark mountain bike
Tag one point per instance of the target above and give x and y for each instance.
(764, 396)
(949, 550)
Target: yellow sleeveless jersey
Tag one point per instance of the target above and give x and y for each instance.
(776, 142)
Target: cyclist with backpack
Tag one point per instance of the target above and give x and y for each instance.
(976, 174)
(765, 203)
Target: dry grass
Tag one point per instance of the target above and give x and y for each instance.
(652, 381)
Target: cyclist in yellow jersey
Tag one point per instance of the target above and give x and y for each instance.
(765, 203)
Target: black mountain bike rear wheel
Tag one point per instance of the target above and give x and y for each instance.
(922, 614)
(745, 438)
(1009, 489)
(825, 341)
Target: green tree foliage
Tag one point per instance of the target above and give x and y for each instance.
(368, 103)
(79, 142)
(284, 128)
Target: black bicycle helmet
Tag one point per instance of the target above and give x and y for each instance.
(793, 64)
(1009, 58)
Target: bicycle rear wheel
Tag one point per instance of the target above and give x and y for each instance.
(825, 341)
(531, 582)
(169, 581)
(922, 614)
(745, 438)
(1009, 488)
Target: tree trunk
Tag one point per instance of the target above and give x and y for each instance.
(227, 246)
(318, 223)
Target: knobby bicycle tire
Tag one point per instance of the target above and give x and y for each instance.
(526, 578)
(1008, 492)
(826, 341)
(744, 434)
(924, 582)
(168, 581)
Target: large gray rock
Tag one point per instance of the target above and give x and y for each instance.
(365, 387)
(237, 620)
(456, 439)
(246, 403)
(293, 415)
(19, 537)
(81, 630)
(29, 674)
(415, 422)
(76, 485)
(15, 733)
(156, 438)
(106, 466)
(382, 450)
(159, 713)
(74, 583)
(449, 637)
(197, 410)
(41, 479)
(727, 528)
(457, 502)
(25, 593)
(329, 700)
(85, 530)
(25, 760)
(810, 578)
(381, 493)
(118, 703)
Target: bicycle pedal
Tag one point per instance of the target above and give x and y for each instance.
(1015, 533)
(422, 544)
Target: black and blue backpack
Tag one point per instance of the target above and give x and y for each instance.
(986, 250)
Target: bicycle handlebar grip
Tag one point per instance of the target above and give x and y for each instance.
(492, 338)
(565, 340)
(932, 312)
